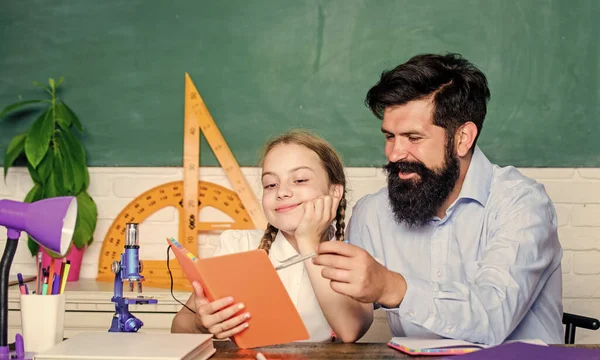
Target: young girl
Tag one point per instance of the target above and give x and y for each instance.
(303, 192)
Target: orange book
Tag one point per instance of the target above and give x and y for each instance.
(251, 279)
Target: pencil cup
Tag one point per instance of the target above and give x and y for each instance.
(42, 320)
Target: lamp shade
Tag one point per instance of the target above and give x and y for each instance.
(50, 222)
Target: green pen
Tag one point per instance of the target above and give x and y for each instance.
(45, 284)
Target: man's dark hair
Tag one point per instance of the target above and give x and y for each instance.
(460, 90)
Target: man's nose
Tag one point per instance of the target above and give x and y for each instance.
(398, 152)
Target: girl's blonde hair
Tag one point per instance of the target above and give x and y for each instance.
(332, 163)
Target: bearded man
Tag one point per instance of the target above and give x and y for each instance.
(454, 246)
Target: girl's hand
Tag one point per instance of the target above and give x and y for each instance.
(318, 215)
(220, 316)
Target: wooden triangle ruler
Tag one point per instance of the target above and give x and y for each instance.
(197, 117)
(188, 197)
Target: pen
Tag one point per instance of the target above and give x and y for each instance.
(22, 287)
(45, 285)
(38, 285)
(61, 273)
(51, 274)
(295, 260)
(63, 280)
(55, 284)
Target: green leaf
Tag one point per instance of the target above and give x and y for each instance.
(48, 90)
(74, 119)
(38, 139)
(50, 188)
(87, 216)
(15, 148)
(83, 234)
(63, 166)
(59, 175)
(86, 180)
(36, 193)
(74, 154)
(34, 174)
(15, 106)
(74, 146)
(51, 83)
(79, 178)
(46, 166)
(88, 208)
(63, 116)
(32, 245)
(60, 81)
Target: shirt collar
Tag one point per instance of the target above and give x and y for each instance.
(478, 179)
(281, 249)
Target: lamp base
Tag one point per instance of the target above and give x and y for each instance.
(5, 263)
(13, 356)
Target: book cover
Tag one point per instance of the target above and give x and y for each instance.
(251, 279)
(132, 346)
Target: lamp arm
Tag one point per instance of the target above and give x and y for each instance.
(5, 263)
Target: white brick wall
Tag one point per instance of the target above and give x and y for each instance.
(576, 193)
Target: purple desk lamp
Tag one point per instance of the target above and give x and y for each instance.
(50, 222)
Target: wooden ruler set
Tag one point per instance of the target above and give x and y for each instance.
(188, 197)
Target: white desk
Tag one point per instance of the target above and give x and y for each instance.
(88, 308)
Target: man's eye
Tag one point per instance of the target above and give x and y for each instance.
(389, 136)
(414, 138)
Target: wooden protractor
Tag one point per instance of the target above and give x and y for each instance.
(155, 199)
(188, 196)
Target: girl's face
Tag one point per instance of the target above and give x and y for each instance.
(292, 174)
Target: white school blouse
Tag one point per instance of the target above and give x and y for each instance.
(294, 278)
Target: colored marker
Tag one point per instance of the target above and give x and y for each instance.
(56, 284)
(45, 284)
(22, 287)
(38, 286)
(65, 276)
(51, 274)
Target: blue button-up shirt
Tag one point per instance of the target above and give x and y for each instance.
(489, 271)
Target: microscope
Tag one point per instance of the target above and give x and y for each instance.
(128, 270)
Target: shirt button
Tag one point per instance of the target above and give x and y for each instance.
(411, 313)
(439, 273)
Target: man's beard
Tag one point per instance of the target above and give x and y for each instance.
(415, 202)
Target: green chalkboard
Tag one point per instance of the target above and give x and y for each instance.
(265, 66)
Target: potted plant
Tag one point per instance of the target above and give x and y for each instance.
(56, 161)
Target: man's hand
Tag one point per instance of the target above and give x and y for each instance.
(355, 273)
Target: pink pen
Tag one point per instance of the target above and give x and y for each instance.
(22, 286)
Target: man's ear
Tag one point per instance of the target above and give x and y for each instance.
(336, 190)
(464, 138)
